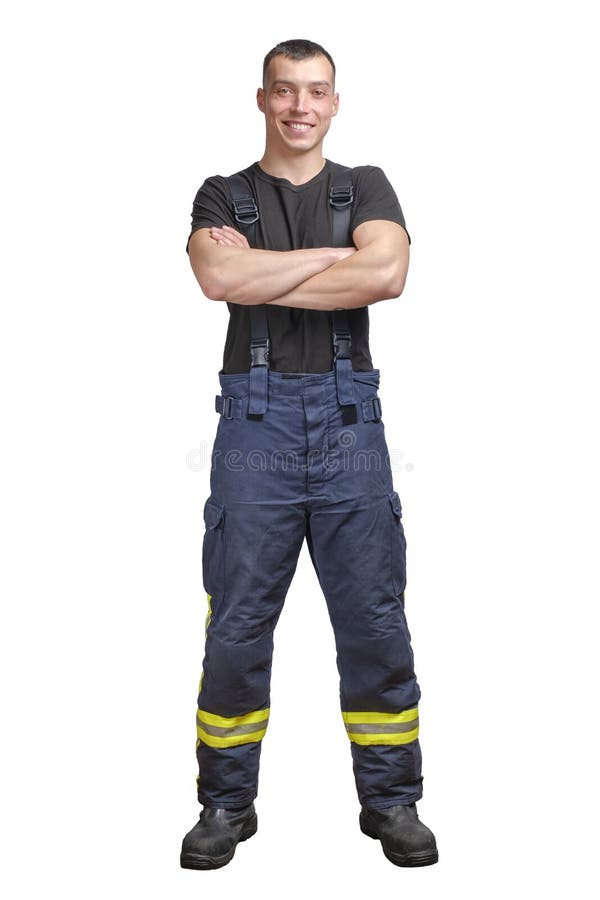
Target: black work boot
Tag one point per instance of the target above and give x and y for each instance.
(212, 841)
(405, 840)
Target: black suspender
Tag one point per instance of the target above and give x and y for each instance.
(341, 195)
(246, 215)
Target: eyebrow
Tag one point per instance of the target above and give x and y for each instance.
(311, 83)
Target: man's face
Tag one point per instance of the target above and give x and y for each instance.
(298, 102)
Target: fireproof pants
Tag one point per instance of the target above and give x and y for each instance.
(300, 473)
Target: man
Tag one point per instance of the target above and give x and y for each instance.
(299, 247)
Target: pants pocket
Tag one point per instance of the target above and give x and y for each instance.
(213, 548)
(398, 546)
(366, 384)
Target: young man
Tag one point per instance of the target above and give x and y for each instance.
(299, 247)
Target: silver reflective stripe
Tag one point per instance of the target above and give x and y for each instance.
(383, 727)
(217, 731)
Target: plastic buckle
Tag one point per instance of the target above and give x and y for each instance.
(339, 197)
(227, 402)
(259, 352)
(342, 345)
(245, 211)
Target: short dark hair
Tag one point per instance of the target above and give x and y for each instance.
(298, 49)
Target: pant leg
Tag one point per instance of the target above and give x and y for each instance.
(250, 553)
(359, 555)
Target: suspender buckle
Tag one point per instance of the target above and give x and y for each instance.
(224, 405)
(259, 352)
(245, 210)
(342, 345)
(341, 196)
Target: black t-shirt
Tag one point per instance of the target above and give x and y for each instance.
(295, 217)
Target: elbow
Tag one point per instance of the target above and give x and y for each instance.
(210, 284)
(213, 290)
(215, 286)
(394, 281)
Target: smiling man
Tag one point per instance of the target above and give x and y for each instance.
(299, 247)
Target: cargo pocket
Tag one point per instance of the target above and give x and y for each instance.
(213, 549)
(366, 385)
(398, 546)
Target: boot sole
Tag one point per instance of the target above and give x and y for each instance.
(417, 858)
(198, 861)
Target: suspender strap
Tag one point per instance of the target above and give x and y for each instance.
(259, 362)
(246, 215)
(245, 209)
(341, 195)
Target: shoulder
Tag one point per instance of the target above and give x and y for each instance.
(359, 173)
(375, 198)
(369, 175)
(368, 181)
(219, 184)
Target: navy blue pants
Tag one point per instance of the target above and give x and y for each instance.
(298, 473)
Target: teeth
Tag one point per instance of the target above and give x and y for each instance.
(298, 127)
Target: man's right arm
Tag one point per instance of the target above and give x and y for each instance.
(239, 274)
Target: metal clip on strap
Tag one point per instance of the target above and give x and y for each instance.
(245, 210)
(341, 195)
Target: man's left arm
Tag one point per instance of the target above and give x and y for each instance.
(377, 271)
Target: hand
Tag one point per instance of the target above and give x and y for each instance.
(229, 237)
(343, 252)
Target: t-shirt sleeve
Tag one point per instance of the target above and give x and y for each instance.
(375, 199)
(212, 206)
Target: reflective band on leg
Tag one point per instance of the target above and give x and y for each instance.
(206, 624)
(382, 728)
(220, 731)
(208, 614)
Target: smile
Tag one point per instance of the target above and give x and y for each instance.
(298, 126)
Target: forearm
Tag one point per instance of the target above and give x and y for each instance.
(369, 275)
(249, 277)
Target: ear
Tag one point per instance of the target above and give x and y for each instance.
(260, 99)
(336, 104)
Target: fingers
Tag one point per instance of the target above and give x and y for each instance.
(229, 237)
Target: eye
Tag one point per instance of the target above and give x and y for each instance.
(320, 93)
(283, 90)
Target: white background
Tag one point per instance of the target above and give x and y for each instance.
(483, 117)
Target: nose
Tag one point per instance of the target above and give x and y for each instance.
(301, 101)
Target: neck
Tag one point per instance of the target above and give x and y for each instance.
(298, 168)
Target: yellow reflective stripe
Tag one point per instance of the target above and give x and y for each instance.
(233, 741)
(208, 614)
(404, 737)
(223, 722)
(368, 718)
(206, 624)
